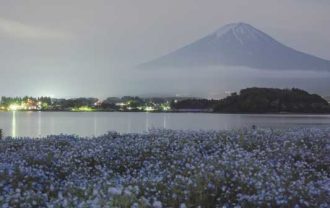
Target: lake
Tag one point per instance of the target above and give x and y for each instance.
(36, 124)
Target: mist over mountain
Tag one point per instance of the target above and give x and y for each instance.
(240, 44)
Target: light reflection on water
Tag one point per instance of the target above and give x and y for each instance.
(13, 124)
(36, 124)
(39, 123)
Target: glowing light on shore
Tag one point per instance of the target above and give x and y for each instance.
(13, 107)
(149, 108)
(121, 104)
(83, 109)
(16, 107)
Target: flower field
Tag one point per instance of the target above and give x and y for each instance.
(166, 168)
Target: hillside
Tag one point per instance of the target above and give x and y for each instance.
(268, 100)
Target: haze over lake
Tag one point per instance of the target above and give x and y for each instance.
(37, 124)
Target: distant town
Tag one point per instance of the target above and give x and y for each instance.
(126, 103)
(250, 100)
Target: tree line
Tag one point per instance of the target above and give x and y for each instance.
(262, 100)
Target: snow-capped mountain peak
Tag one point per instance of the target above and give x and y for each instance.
(242, 32)
(231, 27)
(240, 44)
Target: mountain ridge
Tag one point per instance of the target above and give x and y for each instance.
(240, 44)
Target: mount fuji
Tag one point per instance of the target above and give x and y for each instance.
(240, 44)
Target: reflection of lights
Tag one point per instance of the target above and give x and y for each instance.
(147, 122)
(13, 125)
(95, 125)
(39, 123)
(165, 123)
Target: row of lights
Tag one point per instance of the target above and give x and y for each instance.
(22, 106)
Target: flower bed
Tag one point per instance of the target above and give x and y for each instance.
(165, 168)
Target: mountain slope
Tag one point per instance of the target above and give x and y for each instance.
(240, 44)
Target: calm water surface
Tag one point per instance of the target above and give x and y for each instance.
(35, 124)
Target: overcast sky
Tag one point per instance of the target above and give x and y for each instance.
(69, 48)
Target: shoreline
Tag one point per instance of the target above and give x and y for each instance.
(176, 112)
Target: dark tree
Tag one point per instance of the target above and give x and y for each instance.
(268, 100)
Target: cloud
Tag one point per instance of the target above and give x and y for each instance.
(20, 30)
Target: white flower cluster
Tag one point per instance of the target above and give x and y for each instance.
(166, 168)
